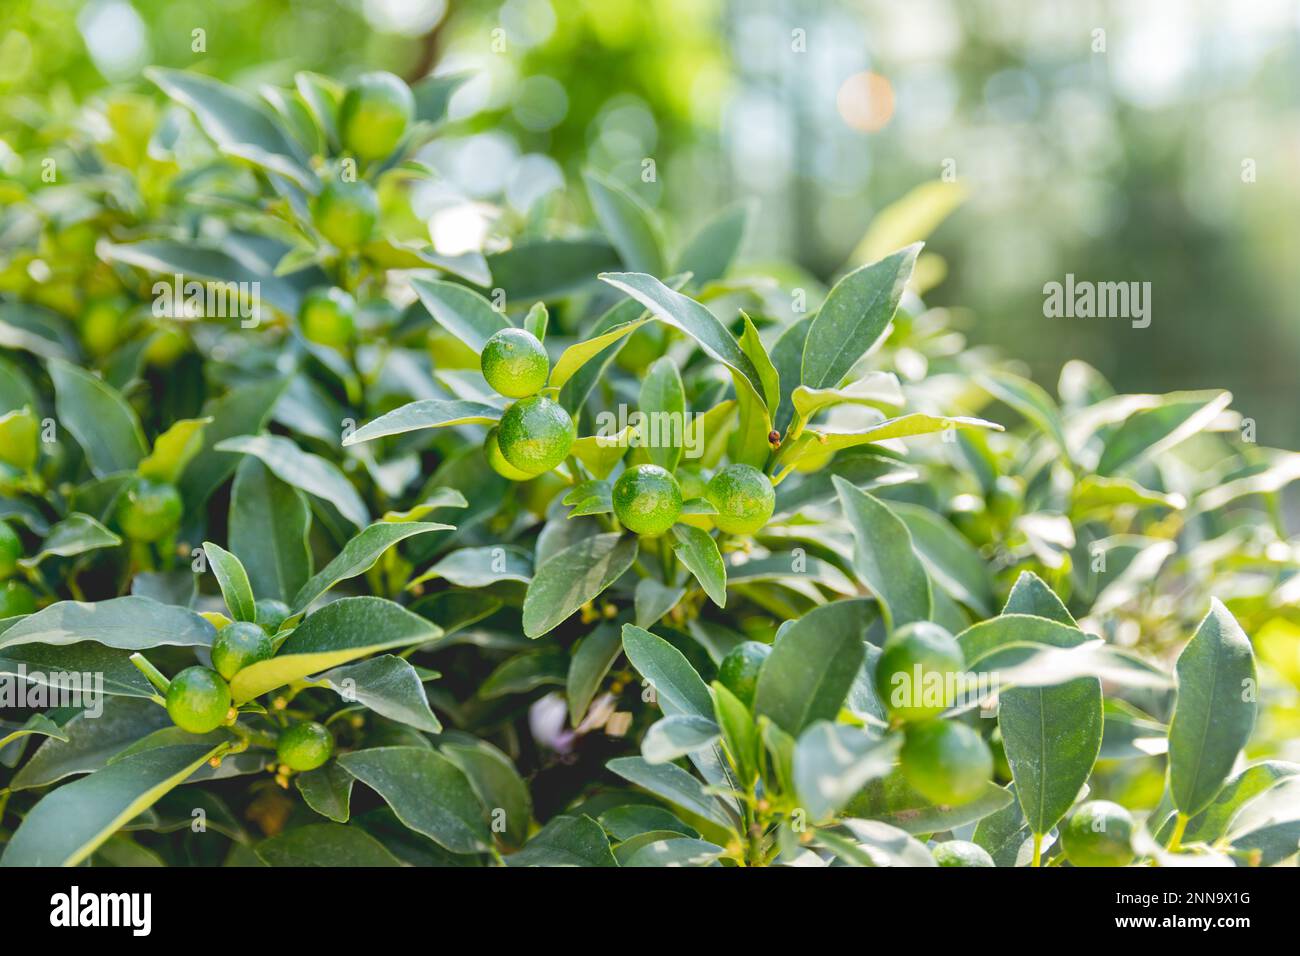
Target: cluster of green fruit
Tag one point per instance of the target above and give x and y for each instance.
(199, 698)
(536, 434)
(375, 115)
(15, 596)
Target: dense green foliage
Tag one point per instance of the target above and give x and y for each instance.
(419, 557)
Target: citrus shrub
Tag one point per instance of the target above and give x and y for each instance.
(595, 547)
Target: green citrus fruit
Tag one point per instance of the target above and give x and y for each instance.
(16, 598)
(515, 363)
(237, 645)
(913, 675)
(11, 549)
(498, 460)
(738, 671)
(305, 746)
(346, 212)
(647, 499)
(198, 700)
(376, 110)
(102, 325)
(961, 853)
(744, 498)
(946, 762)
(328, 317)
(271, 614)
(536, 434)
(149, 510)
(1099, 834)
(20, 444)
(166, 347)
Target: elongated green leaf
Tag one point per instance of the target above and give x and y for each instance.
(325, 844)
(1212, 823)
(1214, 713)
(426, 413)
(428, 792)
(37, 725)
(821, 441)
(628, 223)
(884, 559)
(75, 534)
(268, 528)
(593, 656)
(1052, 737)
(675, 737)
(687, 315)
(173, 450)
(811, 667)
(948, 556)
(233, 580)
(67, 825)
(479, 567)
(1032, 596)
(573, 358)
(875, 390)
(497, 783)
(853, 318)
(91, 741)
(340, 632)
(982, 639)
(359, 556)
(574, 576)
(315, 475)
(1030, 400)
(1152, 431)
(101, 421)
(524, 672)
(698, 551)
(674, 851)
(235, 259)
(893, 800)
(49, 665)
(739, 732)
(242, 411)
(327, 790)
(128, 623)
(832, 762)
(566, 841)
(662, 395)
(389, 686)
(668, 670)
(653, 600)
(875, 843)
(461, 311)
(672, 783)
(712, 250)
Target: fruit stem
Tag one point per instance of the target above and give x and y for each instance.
(152, 673)
(1038, 850)
(1180, 826)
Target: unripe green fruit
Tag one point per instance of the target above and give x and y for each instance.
(647, 499)
(237, 645)
(961, 853)
(376, 110)
(166, 347)
(305, 746)
(913, 675)
(102, 324)
(738, 671)
(498, 460)
(946, 762)
(328, 317)
(514, 363)
(536, 434)
(345, 213)
(1099, 834)
(744, 498)
(11, 549)
(271, 614)
(198, 700)
(16, 598)
(20, 444)
(149, 510)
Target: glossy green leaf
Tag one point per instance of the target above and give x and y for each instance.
(497, 783)
(97, 416)
(855, 315)
(664, 399)
(268, 528)
(574, 576)
(340, 632)
(426, 413)
(670, 782)
(387, 685)
(233, 580)
(76, 534)
(674, 679)
(1151, 431)
(566, 841)
(325, 844)
(713, 249)
(359, 556)
(672, 738)
(241, 411)
(315, 475)
(461, 311)
(698, 552)
(327, 790)
(884, 558)
(832, 762)
(628, 223)
(429, 794)
(593, 656)
(127, 623)
(1214, 713)
(811, 667)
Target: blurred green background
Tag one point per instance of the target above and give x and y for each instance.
(1155, 141)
